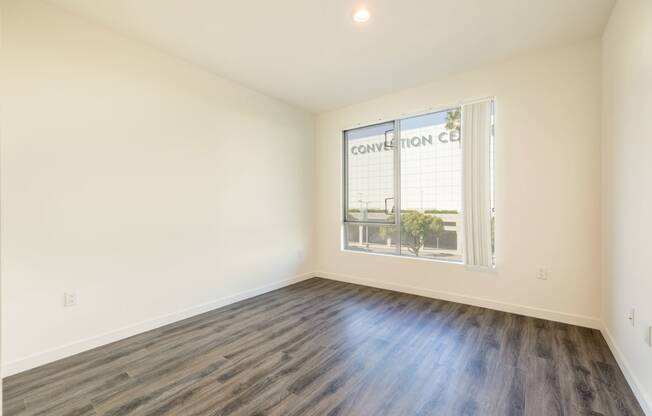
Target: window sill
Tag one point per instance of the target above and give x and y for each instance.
(396, 256)
(477, 269)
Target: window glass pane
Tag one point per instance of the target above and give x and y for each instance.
(371, 238)
(370, 173)
(431, 186)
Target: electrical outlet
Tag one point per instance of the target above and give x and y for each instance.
(648, 340)
(70, 299)
(542, 274)
(631, 316)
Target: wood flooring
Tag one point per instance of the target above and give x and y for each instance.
(322, 347)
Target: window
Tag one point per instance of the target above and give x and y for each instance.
(420, 176)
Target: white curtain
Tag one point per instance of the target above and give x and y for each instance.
(476, 143)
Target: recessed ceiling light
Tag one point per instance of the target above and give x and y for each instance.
(361, 16)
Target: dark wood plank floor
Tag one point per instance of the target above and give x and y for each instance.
(327, 348)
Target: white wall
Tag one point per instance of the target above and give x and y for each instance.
(548, 188)
(148, 185)
(1, 389)
(627, 196)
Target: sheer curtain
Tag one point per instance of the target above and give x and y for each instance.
(476, 145)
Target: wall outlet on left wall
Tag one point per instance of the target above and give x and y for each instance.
(542, 273)
(70, 299)
(631, 316)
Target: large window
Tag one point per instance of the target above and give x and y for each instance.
(404, 197)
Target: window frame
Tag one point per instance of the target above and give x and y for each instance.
(397, 187)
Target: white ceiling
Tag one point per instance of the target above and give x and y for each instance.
(311, 54)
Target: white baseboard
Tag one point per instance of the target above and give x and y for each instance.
(76, 347)
(644, 400)
(568, 318)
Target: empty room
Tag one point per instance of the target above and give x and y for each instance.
(301, 207)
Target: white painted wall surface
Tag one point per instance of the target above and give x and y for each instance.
(1, 400)
(548, 188)
(627, 196)
(148, 185)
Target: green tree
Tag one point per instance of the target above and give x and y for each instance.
(415, 226)
(454, 120)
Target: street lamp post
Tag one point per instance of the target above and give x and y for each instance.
(365, 216)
